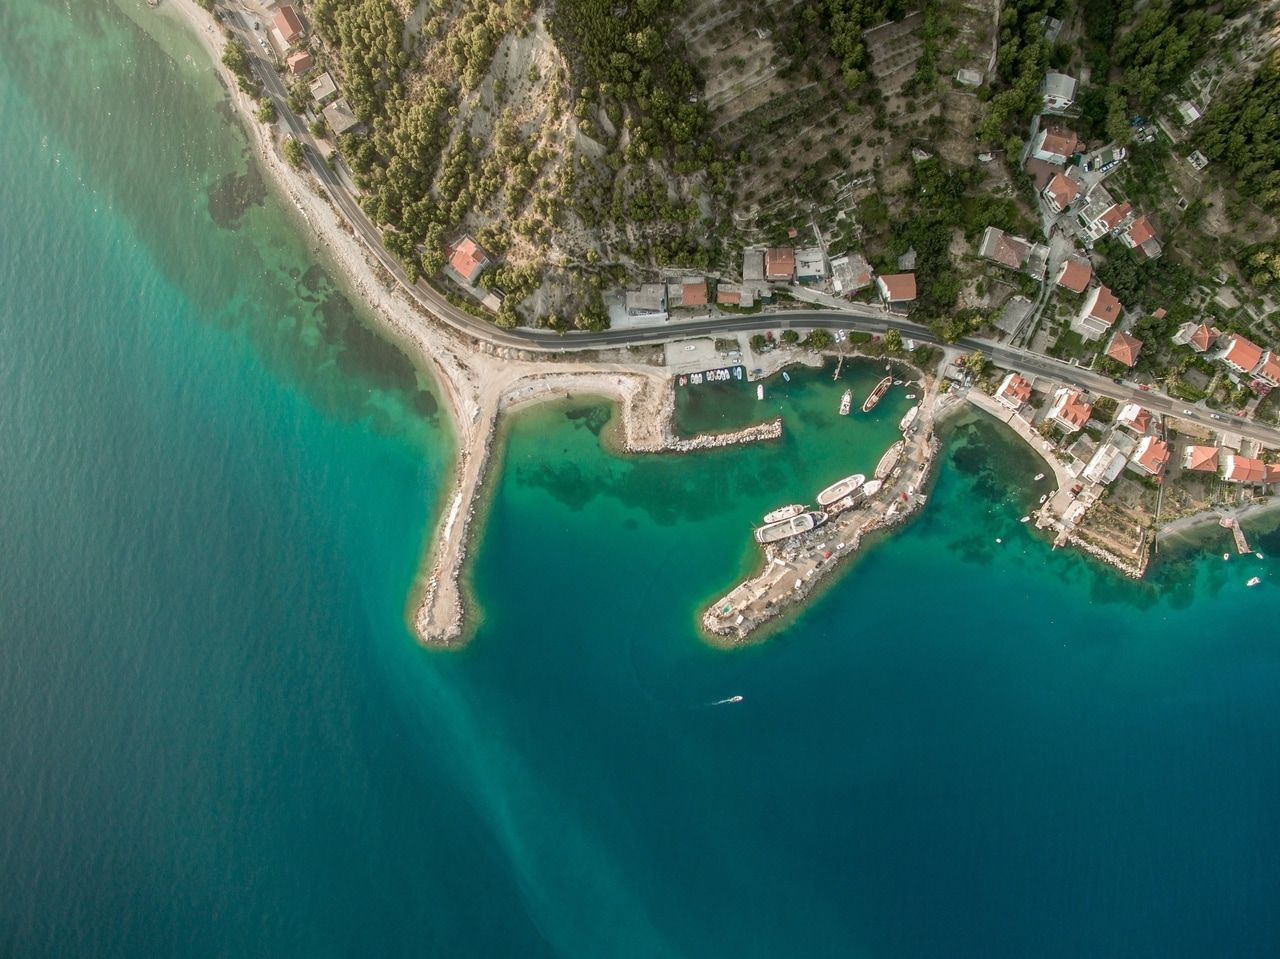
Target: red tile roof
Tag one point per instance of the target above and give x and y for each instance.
(779, 261)
(1063, 190)
(1140, 231)
(1059, 142)
(731, 297)
(1153, 454)
(1124, 347)
(693, 293)
(1241, 469)
(1014, 389)
(899, 287)
(1160, 313)
(1273, 473)
(1076, 274)
(288, 24)
(1134, 417)
(468, 259)
(1202, 458)
(1270, 368)
(1242, 353)
(1114, 215)
(1106, 307)
(1202, 338)
(300, 62)
(1075, 410)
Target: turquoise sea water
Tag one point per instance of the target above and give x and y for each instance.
(219, 739)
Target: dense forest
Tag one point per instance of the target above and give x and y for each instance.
(1242, 130)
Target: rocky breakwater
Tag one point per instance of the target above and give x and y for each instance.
(758, 433)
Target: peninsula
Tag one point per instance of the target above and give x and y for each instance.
(512, 279)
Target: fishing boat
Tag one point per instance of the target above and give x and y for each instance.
(783, 512)
(785, 529)
(840, 489)
(905, 423)
(759, 391)
(1254, 581)
(877, 394)
(846, 402)
(1038, 477)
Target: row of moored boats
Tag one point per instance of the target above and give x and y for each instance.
(788, 521)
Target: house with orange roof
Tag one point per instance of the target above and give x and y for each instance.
(1241, 354)
(289, 25)
(1124, 348)
(1055, 145)
(779, 264)
(1152, 455)
(1198, 336)
(1140, 235)
(1075, 274)
(1243, 469)
(299, 62)
(897, 290)
(1069, 410)
(731, 294)
(1200, 459)
(1134, 417)
(1273, 473)
(466, 261)
(1268, 370)
(1013, 392)
(1060, 192)
(1099, 313)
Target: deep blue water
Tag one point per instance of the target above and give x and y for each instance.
(219, 739)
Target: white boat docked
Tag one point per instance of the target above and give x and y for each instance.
(759, 391)
(774, 532)
(846, 402)
(871, 488)
(783, 512)
(841, 489)
(910, 418)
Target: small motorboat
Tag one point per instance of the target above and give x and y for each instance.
(1025, 519)
(1259, 555)
(999, 540)
(786, 376)
(1254, 581)
(911, 396)
(1226, 556)
(1044, 497)
(897, 382)
(759, 391)
(731, 699)
(846, 402)
(1038, 477)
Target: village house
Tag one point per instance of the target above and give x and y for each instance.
(1055, 145)
(1075, 274)
(897, 290)
(689, 292)
(288, 26)
(811, 265)
(1134, 417)
(1268, 370)
(466, 261)
(1098, 314)
(1060, 192)
(1152, 455)
(1241, 354)
(1200, 459)
(1242, 469)
(1189, 112)
(649, 300)
(340, 117)
(730, 294)
(779, 264)
(1105, 465)
(1069, 410)
(1198, 336)
(850, 273)
(1098, 221)
(1141, 236)
(323, 89)
(1014, 391)
(299, 62)
(1124, 348)
(1010, 251)
(1059, 92)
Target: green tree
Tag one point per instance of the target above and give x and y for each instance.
(790, 337)
(819, 340)
(293, 153)
(267, 112)
(975, 363)
(893, 342)
(758, 343)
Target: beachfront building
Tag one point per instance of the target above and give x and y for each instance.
(850, 273)
(1075, 274)
(1069, 411)
(1134, 418)
(1200, 459)
(1055, 145)
(1058, 91)
(1014, 392)
(649, 300)
(1124, 348)
(1099, 313)
(779, 264)
(1105, 465)
(1198, 336)
(1241, 354)
(897, 290)
(1243, 469)
(1152, 456)
(288, 26)
(1060, 192)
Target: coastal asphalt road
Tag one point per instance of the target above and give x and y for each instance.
(855, 316)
